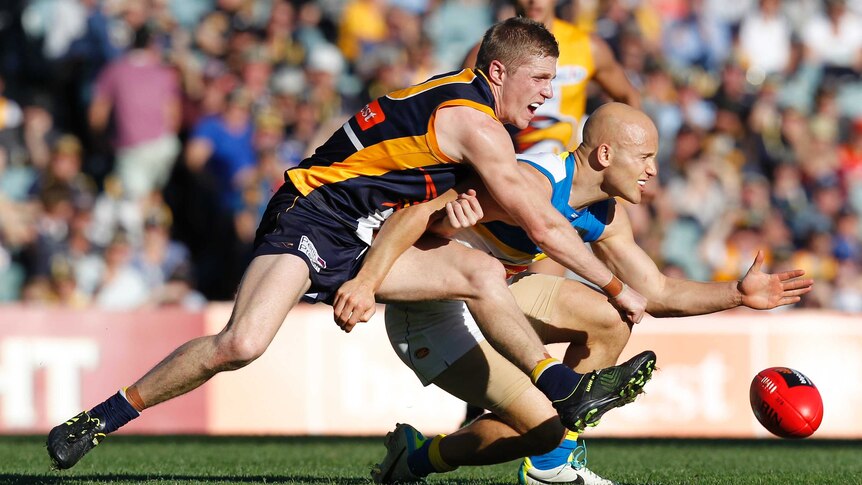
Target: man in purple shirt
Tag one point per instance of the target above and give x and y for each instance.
(144, 96)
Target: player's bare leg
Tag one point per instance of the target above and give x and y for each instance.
(593, 328)
(271, 286)
(436, 269)
(522, 422)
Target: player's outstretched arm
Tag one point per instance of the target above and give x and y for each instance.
(674, 297)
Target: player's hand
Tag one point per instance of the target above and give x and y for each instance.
(465, 211)
(763, 291)
(354, 302)
(630, 304)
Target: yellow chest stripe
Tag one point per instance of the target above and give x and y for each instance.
(390, 155)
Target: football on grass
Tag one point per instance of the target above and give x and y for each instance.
(786, 402)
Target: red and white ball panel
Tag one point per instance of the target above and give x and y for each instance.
(786, 402)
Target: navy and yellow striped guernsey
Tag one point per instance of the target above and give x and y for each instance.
(511, 245)
(386, 156)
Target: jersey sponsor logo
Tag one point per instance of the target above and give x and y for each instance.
(307, 248)
(370, 115)
(570, 75)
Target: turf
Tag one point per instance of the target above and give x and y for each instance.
(309, 460)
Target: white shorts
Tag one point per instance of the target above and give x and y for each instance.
(430, 336)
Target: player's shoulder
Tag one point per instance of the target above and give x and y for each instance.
(552, 164)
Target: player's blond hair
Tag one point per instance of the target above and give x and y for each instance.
(514, 41)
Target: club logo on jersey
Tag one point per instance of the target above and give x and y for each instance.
(308, 249)
(370, 115)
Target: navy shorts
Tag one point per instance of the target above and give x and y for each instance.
(332, 250)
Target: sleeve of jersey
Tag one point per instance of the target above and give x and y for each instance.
(591, 224)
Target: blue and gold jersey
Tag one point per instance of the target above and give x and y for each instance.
(386, 156)
(511, 245)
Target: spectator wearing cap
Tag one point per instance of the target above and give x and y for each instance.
(143, 95)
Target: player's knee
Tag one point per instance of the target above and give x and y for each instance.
(484, 275)
(236, 351)
(612, 334)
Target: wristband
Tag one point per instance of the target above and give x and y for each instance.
(614, 287)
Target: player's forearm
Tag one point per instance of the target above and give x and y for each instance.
(564, 246)
(682, 298)
(398, 233)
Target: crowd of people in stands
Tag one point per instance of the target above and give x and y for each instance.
(141, 139)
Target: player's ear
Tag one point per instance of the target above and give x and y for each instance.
(496, 72)
(603, 155)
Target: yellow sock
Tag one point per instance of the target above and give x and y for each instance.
(436, 458)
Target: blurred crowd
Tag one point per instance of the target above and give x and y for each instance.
(141, 139)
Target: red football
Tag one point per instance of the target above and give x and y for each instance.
(786, 402)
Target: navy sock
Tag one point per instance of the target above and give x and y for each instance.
(556, 380)
(115, 411)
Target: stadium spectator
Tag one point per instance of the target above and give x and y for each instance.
(158, 256)
(765, 41)
(221, 146)
(833, 39)
(208, 42)
(121, 286)
(143, 96)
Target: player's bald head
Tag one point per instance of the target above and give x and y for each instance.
(617, 124)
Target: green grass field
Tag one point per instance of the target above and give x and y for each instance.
(245, 460)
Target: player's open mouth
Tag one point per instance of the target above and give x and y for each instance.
(534, 106)
(641, 182)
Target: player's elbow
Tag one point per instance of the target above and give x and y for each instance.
(541, 234)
